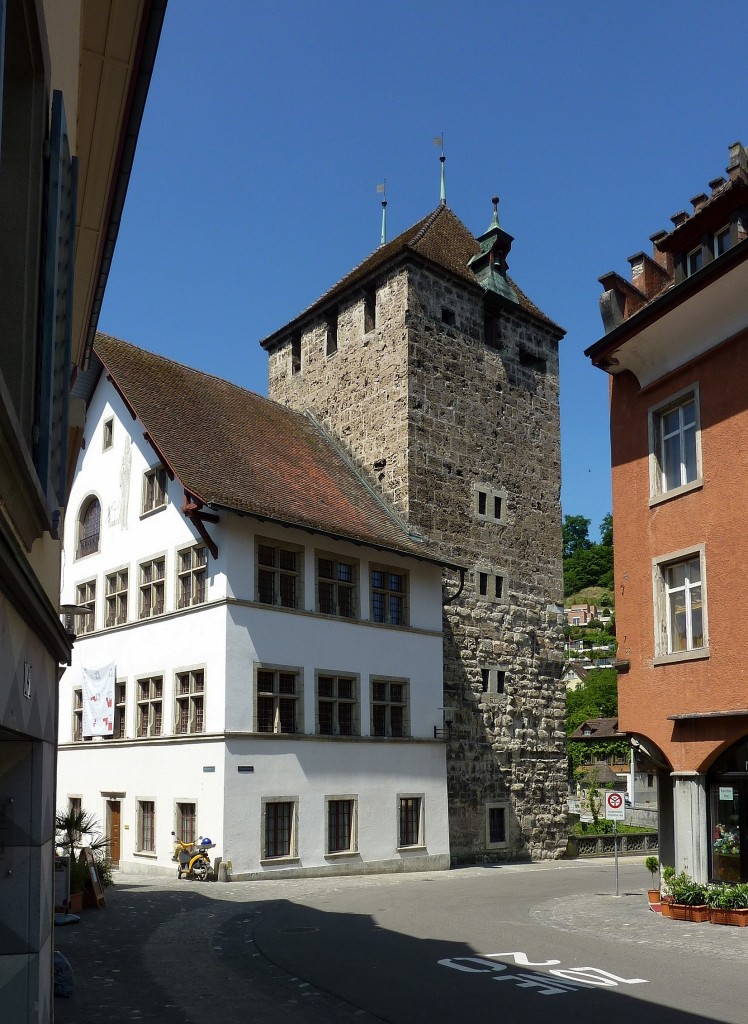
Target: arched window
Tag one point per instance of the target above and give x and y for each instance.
(89, 528)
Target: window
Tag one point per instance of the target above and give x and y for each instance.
(279, 574)
(77, 714)
(336, 587)
(492, 587)
(188, 696)
(675, 444)
(496, 825)
(389, 596)
(341, 825)
(694, 261)
(531, 360)
(154, 489)
(680, 604)
(108, 435)
(191, 576)
(411, 826)
(186, 823)
(120, 707)
(337, 706)
(492, 331)
(152, 588)
(85, 597)
(279, 828)
(296, 352)
(721, 241)
(146, 827)
(493, 679)
(331, 333)
(448, 316)
(89, 528)
(150, 706)
(489, 503)
(116, 597)
(370, 310)
(279, 706)
(389, 708)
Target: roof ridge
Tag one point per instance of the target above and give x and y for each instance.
(427, 223)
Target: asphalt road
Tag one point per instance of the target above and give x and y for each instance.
(506, 944)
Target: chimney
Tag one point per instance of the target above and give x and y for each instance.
(716, 183)
(679, 218)
(647, 275)
(662, 259)
(738, 161)
(698, 201)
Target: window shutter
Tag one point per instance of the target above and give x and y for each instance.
(57, 309)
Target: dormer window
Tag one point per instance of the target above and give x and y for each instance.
(721, 241)
(694, 261)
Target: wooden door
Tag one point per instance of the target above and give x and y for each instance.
(113, 829)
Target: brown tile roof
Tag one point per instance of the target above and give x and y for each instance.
(601, 729)
(441, 238)
(233, 448)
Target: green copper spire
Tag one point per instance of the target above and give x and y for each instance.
(489, 265)
(382, 189)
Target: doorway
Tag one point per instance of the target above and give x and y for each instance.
(113, 830)
(728, 815)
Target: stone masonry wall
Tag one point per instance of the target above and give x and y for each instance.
(431, 414)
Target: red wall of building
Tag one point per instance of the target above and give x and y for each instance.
(715, 515)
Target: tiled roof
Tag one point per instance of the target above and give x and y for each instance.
(600, 729)
(441, 238)
(233, 448)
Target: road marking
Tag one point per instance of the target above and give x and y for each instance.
(571, 979)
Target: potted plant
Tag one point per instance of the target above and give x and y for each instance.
(74, 830)
(688, 899)
(719, 899)
(652, 865)
(739, 905)
(667, 875)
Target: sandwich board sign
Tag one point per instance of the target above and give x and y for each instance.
(615, 807)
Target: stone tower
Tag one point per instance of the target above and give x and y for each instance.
(440, 377)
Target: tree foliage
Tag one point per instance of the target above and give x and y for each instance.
(596, 698)
(586, 564)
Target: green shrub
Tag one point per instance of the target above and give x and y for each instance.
(684, 890)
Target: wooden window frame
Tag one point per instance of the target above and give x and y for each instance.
(154, 588)
(391, 726)
(333, 805)
(280, 574)
(658, 489)
(281, 697)
(383, 590)
(335, 702)
(85, 596)
(155, 490)
(116, 588)
(189, 694)
(149, 707)
(411, 811)
(270, 850)
(192, 576)
(338, 585)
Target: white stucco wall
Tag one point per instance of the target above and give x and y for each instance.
(228, 637)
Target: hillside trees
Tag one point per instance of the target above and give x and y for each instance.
(587, 564)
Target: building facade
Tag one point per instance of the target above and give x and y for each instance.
(440, 377)
(270, 629)
(73, 82)
(675, 344)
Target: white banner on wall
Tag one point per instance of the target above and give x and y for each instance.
(98, 700)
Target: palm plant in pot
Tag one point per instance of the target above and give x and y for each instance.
(652, 865)
(74, 830)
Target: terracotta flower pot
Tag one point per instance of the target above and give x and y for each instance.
(666, 908)
(76, 903)
(698, 914)
(679, 911)
(653, 895)
(739, 917)
(719, 916)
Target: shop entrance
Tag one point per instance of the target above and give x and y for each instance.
(728, 815)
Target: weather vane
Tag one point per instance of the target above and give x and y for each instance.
(439, 142)
(382, 190)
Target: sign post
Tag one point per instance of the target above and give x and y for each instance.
(615, 811)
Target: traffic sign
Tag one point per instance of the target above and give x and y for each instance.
(615, 808)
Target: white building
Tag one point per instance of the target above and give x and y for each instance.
(274, 629)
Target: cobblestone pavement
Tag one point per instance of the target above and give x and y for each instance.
(168, 951)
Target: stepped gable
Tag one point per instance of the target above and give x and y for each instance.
(441, 238)
(231, 447)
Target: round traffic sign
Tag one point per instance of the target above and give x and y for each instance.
(615, 800)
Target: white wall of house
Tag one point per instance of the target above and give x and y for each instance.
(228, 637)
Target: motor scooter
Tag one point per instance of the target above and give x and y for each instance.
(192, 858)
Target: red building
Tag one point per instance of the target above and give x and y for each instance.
(676, 350)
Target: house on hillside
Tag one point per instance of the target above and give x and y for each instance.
(74, 78)
(259, 637)
(440, 378)
(676, 350)
(625, 769)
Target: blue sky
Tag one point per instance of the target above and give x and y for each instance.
(269, 125)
